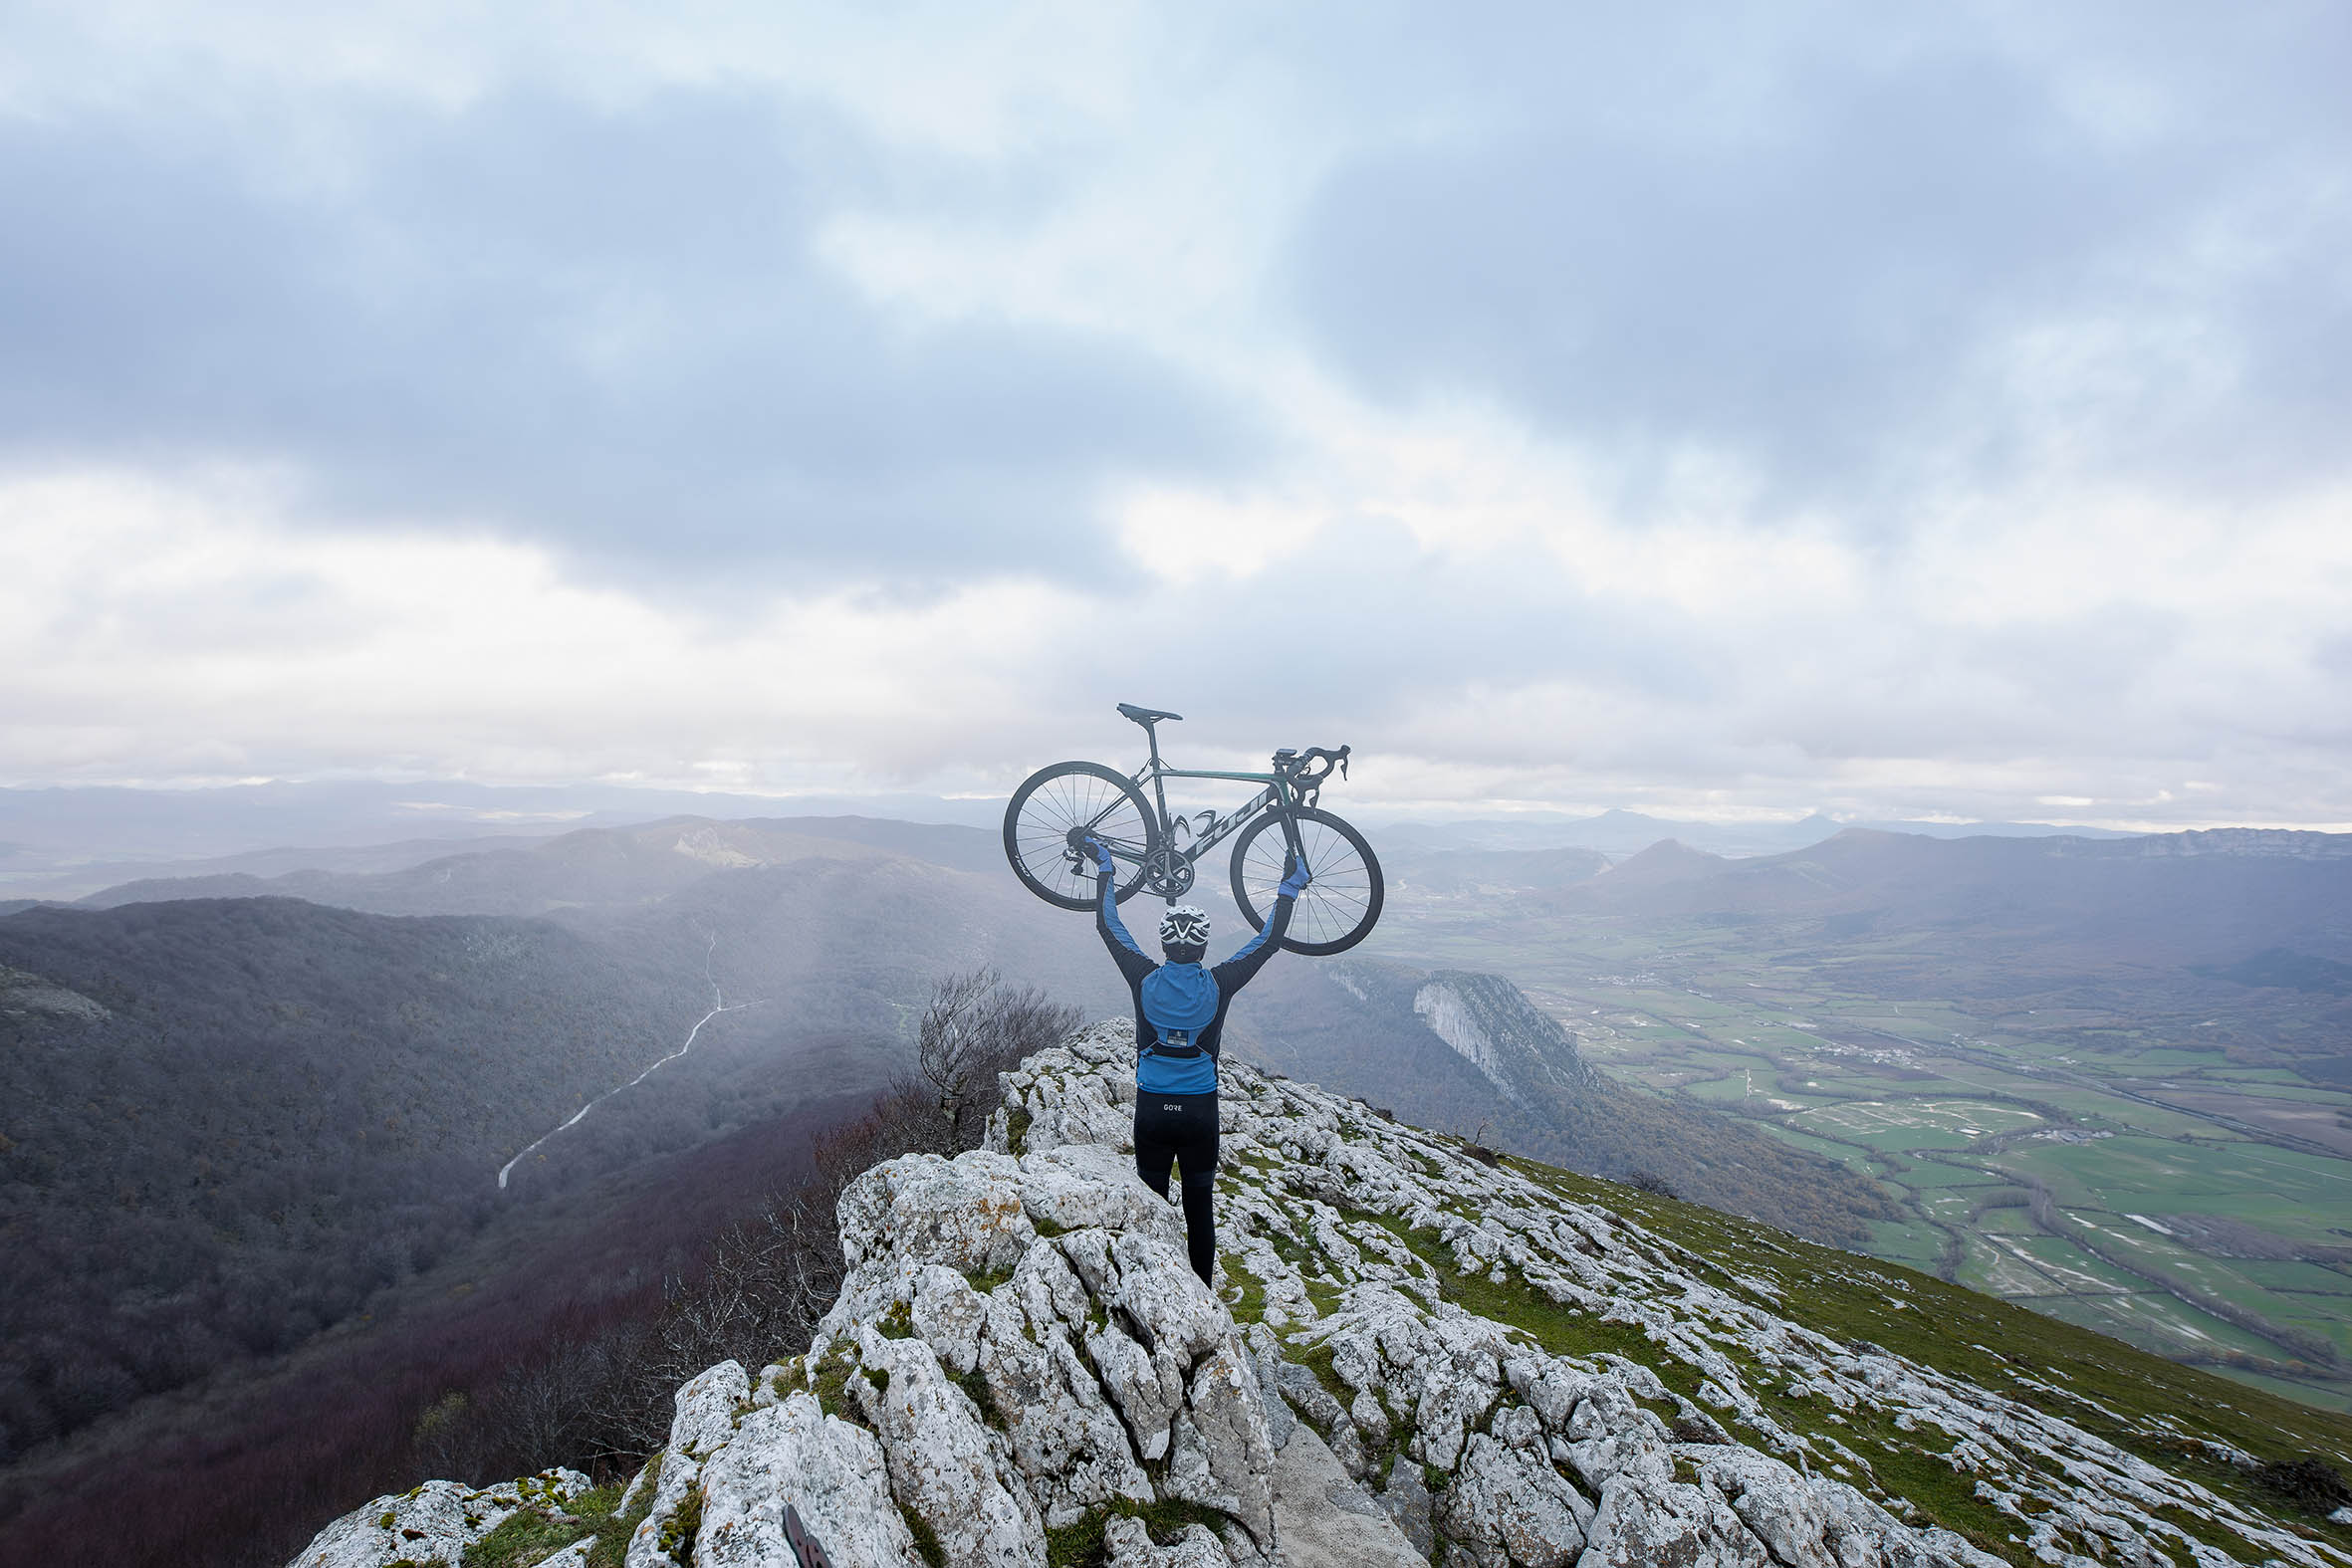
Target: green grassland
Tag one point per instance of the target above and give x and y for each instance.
(2121, 1157)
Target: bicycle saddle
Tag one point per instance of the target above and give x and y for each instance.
(1147, 717)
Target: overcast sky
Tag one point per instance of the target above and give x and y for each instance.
(1711, 410)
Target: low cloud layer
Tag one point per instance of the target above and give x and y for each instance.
(1896, 415)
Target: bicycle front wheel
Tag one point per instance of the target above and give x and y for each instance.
(1339, 906)
(1052, 801)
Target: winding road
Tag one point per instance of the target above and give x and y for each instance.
(719, 1004)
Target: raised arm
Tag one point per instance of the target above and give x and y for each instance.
(1132, 961)
(1238, 970)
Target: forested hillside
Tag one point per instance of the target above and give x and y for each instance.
(224, 1124)
(227, 1121)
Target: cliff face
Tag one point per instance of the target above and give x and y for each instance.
(1490, 1022)
(1412, 1357)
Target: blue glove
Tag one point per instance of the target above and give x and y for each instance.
(1295, 881)
(1103, 864)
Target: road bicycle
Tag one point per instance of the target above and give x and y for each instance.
(1057, 809)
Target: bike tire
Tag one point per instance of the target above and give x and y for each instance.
(1339, 907)
(1055, 800)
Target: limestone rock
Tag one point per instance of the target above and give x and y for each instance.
(1643, 1522)
(1510, 1501)
(941, 1463)
(438, 1519)
(1228, 1413)
(702, 1423)
(832, 1473)
(965, 1213)
(1129, 1545)
(950, 1315)
(1083, 1186)
(1406, 1501)
(1323, 1516)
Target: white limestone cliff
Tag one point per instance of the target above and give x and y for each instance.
(1020, 1355)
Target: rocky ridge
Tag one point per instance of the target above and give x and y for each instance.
(1413, 1356)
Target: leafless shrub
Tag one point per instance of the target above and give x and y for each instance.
(974, 1028)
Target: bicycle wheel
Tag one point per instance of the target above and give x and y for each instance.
(1339, 906)
(1052, 801)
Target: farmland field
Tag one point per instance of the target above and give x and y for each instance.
(2134, 1158)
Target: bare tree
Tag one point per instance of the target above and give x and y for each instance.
(975, 1027)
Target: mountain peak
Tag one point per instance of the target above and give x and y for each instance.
(1412, 1353)
(1667, 860)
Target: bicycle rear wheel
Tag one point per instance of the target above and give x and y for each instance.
(1052, 801)
(1341, 904)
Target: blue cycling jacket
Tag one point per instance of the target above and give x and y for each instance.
(1180, 1008)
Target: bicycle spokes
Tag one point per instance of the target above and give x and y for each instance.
(1056, 816)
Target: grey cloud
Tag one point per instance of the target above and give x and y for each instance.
(606, 328)
(1828, 277)
(1348, 640)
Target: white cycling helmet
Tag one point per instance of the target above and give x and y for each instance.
(1185, 926)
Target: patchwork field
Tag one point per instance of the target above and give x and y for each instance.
(2124, 1157)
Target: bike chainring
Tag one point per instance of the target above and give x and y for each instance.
(1167, 873)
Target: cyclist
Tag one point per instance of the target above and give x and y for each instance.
(1179, 1028)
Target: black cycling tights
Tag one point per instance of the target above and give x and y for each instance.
(1182, 1128)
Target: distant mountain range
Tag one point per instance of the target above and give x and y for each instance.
(1621, 832)
(2159, 899)
(66, 842)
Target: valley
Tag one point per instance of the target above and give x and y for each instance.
(2152, 1148)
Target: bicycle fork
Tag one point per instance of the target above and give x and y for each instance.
(1286, 808)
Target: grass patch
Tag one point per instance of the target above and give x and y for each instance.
(927, 1539)
(680, 1529)
(524, 1538)
(831, 1385)
(1249, 1300)
(1988, 1341)
(1932, 1486)
(1017, 1123)
(1319, 1361)
(613, 1532)
(976, 1389)
(1080, 1545)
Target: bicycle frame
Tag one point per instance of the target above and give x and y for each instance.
(1277, 796)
